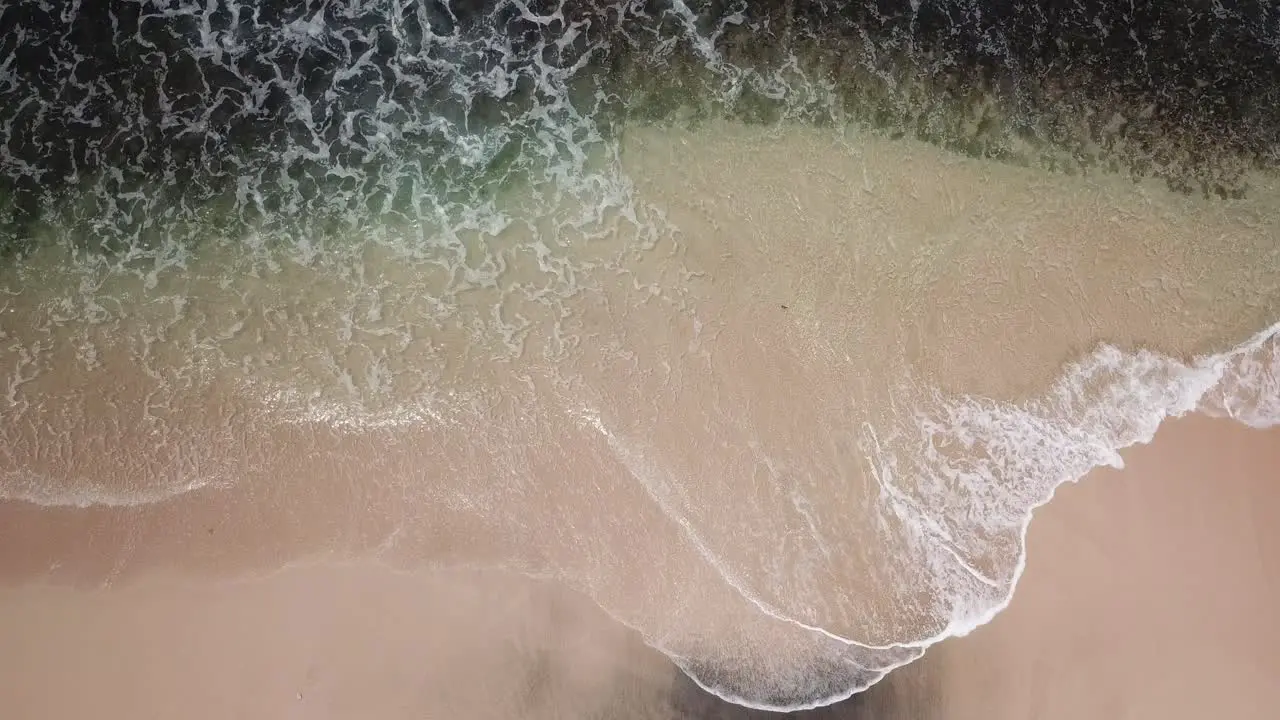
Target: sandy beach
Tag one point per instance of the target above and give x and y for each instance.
(655, 360)
(1148, 594)
(664, 440)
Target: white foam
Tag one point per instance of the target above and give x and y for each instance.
(949, 502)
(968, 469)
(22, 486)
(1021, 454)
(1249, 391)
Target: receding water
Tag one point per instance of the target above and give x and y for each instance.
(766, 325)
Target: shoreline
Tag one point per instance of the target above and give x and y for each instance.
(810, 393)
(756, 333)
(947, 674)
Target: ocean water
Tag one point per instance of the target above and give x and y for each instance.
(765, 325)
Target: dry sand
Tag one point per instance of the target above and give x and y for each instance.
(1150, 593)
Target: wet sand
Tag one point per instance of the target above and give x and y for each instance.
(704, 411)
(759, 366)
(752, 387)
(1148, 594)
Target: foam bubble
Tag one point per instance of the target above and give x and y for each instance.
(1006, 460)
(404, 134)
(1249, 391)
(21, 486)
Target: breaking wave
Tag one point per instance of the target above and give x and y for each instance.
(234, 231)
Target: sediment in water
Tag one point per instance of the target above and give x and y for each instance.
(539, 276)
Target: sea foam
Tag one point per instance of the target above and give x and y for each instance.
(1011, 458)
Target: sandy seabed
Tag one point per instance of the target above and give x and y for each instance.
(694, 458)
(757, 409)
(1150, 593)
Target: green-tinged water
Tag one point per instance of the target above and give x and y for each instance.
(764, 325)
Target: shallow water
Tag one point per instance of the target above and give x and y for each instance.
(608, 295)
